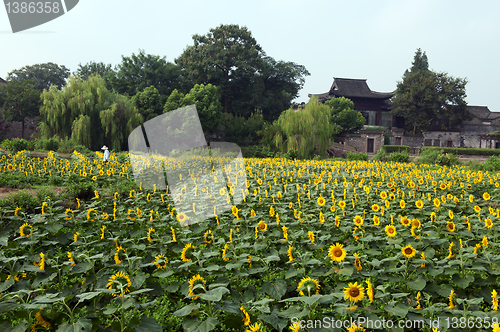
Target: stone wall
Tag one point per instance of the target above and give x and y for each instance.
(13, 129)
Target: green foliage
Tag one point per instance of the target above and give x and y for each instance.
(20, 180)
(51, 144)
(357, 156)
(463, 151)
(148, 102)
(23, 199)
(398, 157)
(230, 58)
(257, 151)
(139, 71)
(20, 100)
(205, 98)
(15, 144)
(380, 155)
(492, 164)
(89, 114)
(95, 68)
(238, 130)
(344, 115)
(43, 75)
(425, 98)
(438, 156)
(447, 159)
(308, 130)
(396, 148)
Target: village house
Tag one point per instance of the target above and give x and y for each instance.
(383, 127)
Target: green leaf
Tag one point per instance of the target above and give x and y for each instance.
(214, 294)
(463, 282)
(417, 284)
(82, 325)
(184, 311)
(148, 325)
(398, 310)
(200, 326)
(6, 285)
(276, 290)
(81, 267)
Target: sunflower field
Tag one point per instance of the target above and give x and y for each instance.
(313, 245)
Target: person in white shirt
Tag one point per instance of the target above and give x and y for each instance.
(105, 158)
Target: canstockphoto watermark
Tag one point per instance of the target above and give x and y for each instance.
(203, 181)
(25, 15)
(382, 323)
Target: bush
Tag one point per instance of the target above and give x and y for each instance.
(380, 155)
(434, 156)
(22, 199)
(398, 157)
(257, 151)
(83, 190)
(66, 146)
(447, 159)
(492, 164)
(15, 144)
(51, 144)
(463, 151)
(357, 156)
(396, 148)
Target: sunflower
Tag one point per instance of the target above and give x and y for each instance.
(252, 213)
(309, 284)
(16, 211)
(321, 201)
(158, 261)
(494, 300)
(44, 205)
(488, 223)
(198, 280)
(342, 204)
(150, 230)
(409, 251)
(485, 241)
(355, 328)
(337, 253)
(402, 204)
(477, 209)
(184, 251)
(376, 221)
(21, 230)
(254, 328)
(383, 195)
(222, 191)
(358, 221)
(354, 292)
(290, 205)
(375, 207)
(486, 196)
(321, 217)
(416, 223)
(437, 202)
(419, 204)
(208, 236)
(262, 226)
(181, 217)
(224, 252)
(10, 167)
(369, 290)
(285, 233)
(289, 251)
(70, 258)
(117, 254)
(246, 316)
(442, 186)
(357, 262)
(390, 230)
(259, 182)
(450, 226)
(310, 235)
(450, 214)
(471, 198)
(450, 298)
(405, 221)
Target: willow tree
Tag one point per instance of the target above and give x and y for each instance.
(88, 113)
(308, 130)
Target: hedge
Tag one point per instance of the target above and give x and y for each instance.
(462, 151)
(396, 148)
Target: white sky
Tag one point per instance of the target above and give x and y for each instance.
(375, 40)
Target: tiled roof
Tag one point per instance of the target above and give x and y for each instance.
(352, 88)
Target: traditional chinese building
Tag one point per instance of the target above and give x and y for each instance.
(373, 105)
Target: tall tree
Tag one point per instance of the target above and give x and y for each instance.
(139, 71)
(430, 100)
(343, 114)
(90, 114)
(206, 98)
(42, 76)
(148, 102)
(95, 68)
(308, 130)
(224, 55)
(20, 100)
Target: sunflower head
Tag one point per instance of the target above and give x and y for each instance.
(262, 226)
(354, 292)
(194, 289)
(337, 253)
(390, 230)
(409, 251)
(311, 286)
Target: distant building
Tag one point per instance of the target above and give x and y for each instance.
(373, 105)
(2, 81)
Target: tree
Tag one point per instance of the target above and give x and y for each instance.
(343, 114)
(308, 130)
(430, 100)
(20, 100)
(206, 98)
(137, 72)
(95, 68)
(42, 76)
(148, 102)
(226, 54)
(87, 112)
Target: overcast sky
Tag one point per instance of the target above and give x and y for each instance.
(374, 40)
